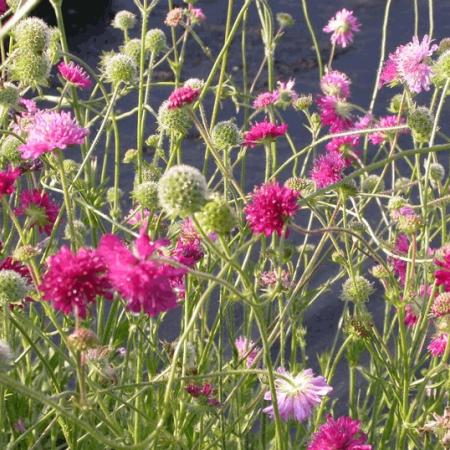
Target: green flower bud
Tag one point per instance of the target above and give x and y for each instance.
(25, 253)
(285, 20)
(348, 188)
(306, 248)
(153, 141)
(120, 68)
(372, 184)
(150, 172)
(14, 4)
(176, 120)
(9, 95)
(130, 156)
(303, 102)
(54, 51)
(156, 41)
(71, 168)
(395, 103)
(421, 123)
(82, 339)
(9, 153)
(28, 68)
(444, 45)
(182, 190)
(437, 171)
(226, 135)
(408, 223)
(124, 20)
(381, 272)
(132, 48)
(396, 203)
(194, 83)
(13, 287)
(357, 290)
(217, 217)
(6, 356)
(441, 69)
(302, 185)
(32, 34)
(111, 194)
(79, 229)
(146, 195)
(402, 185)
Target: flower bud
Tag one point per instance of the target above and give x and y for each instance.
(372, 184)
(155, 41)
(132, 48)
(82, 339)
(441, 69)
(28, 68)
(13, 287)
(217, 217)
(54, 51)
(379, 271)
(303, 102)
(421, 123)
(302, 185)
(408, 221)
(357, 289)
(146, 195)
(285, 20)
(6, 356)
(396, 203)
(25, 253)
(396, 103)
(9, 95)
(32, 34)
(194, 83)
(150, 172)
(111, 194)
(437, 171)
(182, 190)
(226, 135)
(120, 68)
(124, 20)
(174, 120)
(402, 185)
(153, 140)
(14, 4)
(79, 229)
(130, 156)
(71, 168)
(9, 153)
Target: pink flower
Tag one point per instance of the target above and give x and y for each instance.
(247, 350)
(345, 145)
(3, 6)
(328, 169)
(270, 279)
(399, 266)
(265, 99)
(52, 130)
(8, 179)
(263, 132)
(174, 17)
(197, 15)
(441, 305)
(297, 395)
(141, 280)
(270, 208)
(75, 75)
(182, 96)
(380, 137)
(335, 112)
(409, 64)
(442, 275)
(342, 26)
(336, 84)
(438, 345)
(286, 91)
(188, 252)
(137, 216)
(73, 280)
(203, 392)
(343, 433)
(39, 208)
(410, 316)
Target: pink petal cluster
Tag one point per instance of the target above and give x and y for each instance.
(8, 179)
(442, 275)
(343, 433)
(380, 137)
(399, 266)
(328, 169)
(73, 280)
(263, 132)
(286, 89)
(342, 27)
(247, 350)
(143, 281)
(265, 99)
(441, 305)
(438, 345)
(3, 6)
(336, 83)
(334, 112)
(174, 17)
(51, 130)
(40, 209)
(271, 278)
(182, 96)
(410, 316)
(75, 75)
(297, 395)
(410, 64)
(270, 207)
(204, 392)
(196, 14)
(345, 145)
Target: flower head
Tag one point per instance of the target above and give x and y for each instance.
(52, 130)
(442, 275)
(265, 99)
(438, 345)
(441, 305)
(297, 395)
(8, 179)
(73, 280)
(342, 26)
(196, 14)
(39, 208)
(380, 137)
(410, 316)
(74, 74)
(182, 96)
(343, 433)
(174, 17)
(399, 266)
(247, 350)
(335, 112)
(270, 208)
(328, 169)
(336, 83)
(263, 132)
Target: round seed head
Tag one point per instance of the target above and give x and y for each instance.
(29, 68)
(217, 217)
(372, 183)
(9, 95)
(120, 68)
(174, 120)
(124, 20)
(32, 34)
(13, 287)
(421, 123)
(356, 289)
(146, 195)
(226, 135)
(156, 41)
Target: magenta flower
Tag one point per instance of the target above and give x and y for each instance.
(75, 75)
(380, 137)
(297, 395)
(39, 208)
(263, 132)
(8, 179)
(188, 252)
(51, 130)
(197, 15)
(342, 26)
(271, 206)
(410, 316)
(247, 350)
(442, 275)
(265, 99)
(335, 112)
(73, 280)
(137, 216)
(343, 433)
(336, 84)
(410, 64)
(140, 279)
(182, 96)
(328, 169)
(438, 345)
(399, 266)
(345, 145)
(3, 6)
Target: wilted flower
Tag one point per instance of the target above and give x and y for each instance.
(265, 99)
(247, 350)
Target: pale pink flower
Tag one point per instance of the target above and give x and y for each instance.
(174, 17)
(265, 99)
(297, 395)
(197, 15)
(51, 130)
(336, 83)
(137, 216)
(270, 279)
(438, 345)
(263, 132)
(441, 305)
(335, 112)
(182, 96)
(342, 26)
(380, 137)
(247, 350)
(74, 74)
(328, 169)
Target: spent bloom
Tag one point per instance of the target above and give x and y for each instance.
(265, 99)
(8, 179)
(336, 83)
(74, 74)
(270, 207)
(196, 14)
(334, 112)
(73, 280)
(328, 169)
(342, 27)
(343, 433)
(297, 395)
(441, 305)
(174, 17)
(247, 350)
(182, 96)
(39, 208)
(52, 130)
(263, 132)
(143, 282)
(438, 345)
